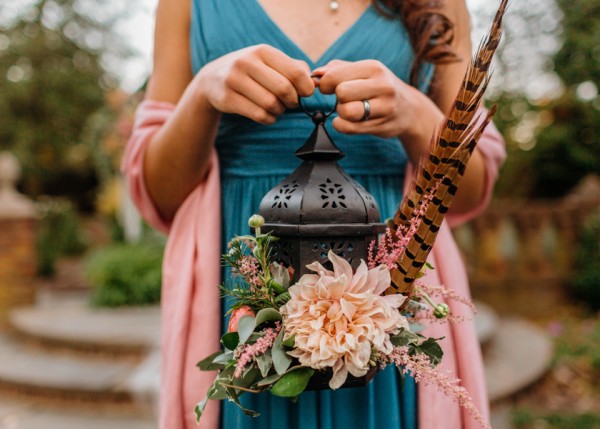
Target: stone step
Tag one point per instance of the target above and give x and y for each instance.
(32, 415)
(64, 378)
(70, 323)
(486, 323)
(518, 354)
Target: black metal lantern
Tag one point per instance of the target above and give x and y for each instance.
(319, 208)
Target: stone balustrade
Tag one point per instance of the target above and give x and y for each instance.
(521, 254)
(18, 218)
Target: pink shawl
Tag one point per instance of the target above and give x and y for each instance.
(190, 300)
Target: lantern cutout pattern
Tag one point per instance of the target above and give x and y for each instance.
(319, 208)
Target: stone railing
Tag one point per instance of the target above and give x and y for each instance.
(520, 255)
(18, 218)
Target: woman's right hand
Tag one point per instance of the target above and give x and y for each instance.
(258, 82)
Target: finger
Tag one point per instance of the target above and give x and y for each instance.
(296, 71)
(342, 71)
(245, 107)
(360, 89)
(276, 83)
(379, 127)
(354, 111)
(259, 95)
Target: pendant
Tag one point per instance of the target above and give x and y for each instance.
(334, 5)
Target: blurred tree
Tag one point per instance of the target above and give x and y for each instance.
(53, 63)
(553, 143)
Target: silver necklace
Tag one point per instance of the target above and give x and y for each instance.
(334, 5)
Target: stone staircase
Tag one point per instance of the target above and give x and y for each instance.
(64, 365)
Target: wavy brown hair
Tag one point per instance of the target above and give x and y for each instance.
(430, 31)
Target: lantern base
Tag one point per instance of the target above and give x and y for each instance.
(320, 381)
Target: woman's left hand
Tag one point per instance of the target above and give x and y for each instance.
(393, 103)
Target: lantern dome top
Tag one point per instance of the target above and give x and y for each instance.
(319, 195)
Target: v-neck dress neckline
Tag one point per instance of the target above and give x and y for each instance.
(331, 52)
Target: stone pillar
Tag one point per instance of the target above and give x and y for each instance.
(18, 218)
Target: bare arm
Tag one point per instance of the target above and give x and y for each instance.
(257, 82)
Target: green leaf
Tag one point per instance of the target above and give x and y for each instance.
(233, 396)
(289, 343)
(280, 274)
(267, 315)
(217, 391)
(293, 383)
(281, 360)
(208, 364)
(269, 380)
(248, 379)
(246, 326)
(223, 359)
(265, 363)
(431, 348)
(230, 340)
(199, 409)
(404, 338)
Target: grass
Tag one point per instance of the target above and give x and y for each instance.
(569, 396)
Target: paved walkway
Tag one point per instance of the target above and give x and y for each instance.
(29, 415)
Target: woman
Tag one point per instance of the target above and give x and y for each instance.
(227, 76)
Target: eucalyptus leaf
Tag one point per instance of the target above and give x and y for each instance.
(293, 383)
(199, 409)
(265, 363)
(233, 396)
(253, 337)
(248, 379)
(230, 340)
(246, 326)
(269, 380)
(267, 315)
(208, 364)
(217, 391)
(280, 274)
(281, 360)
(223, 359)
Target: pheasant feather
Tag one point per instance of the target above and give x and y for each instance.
(437, 177)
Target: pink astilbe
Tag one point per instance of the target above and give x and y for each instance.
(419, 366)
(249, 352)
(447, 294)
(393, 243)
(249, 268)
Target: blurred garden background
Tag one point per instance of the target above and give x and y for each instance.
(80, 273)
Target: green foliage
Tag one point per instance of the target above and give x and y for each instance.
(551, 146)
(524, 418)
(579, 57)
(580, 345)
(586, 282)
(126, 274)
(52, 56)
(59, 234)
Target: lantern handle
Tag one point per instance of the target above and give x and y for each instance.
(318, 116)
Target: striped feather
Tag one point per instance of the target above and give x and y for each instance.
(439, 175)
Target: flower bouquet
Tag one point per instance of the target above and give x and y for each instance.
(336, 324)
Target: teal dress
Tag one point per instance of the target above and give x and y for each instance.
(254, 158)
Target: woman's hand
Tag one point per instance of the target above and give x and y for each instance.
(393, 103)
(397, 109)
(258, 82)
